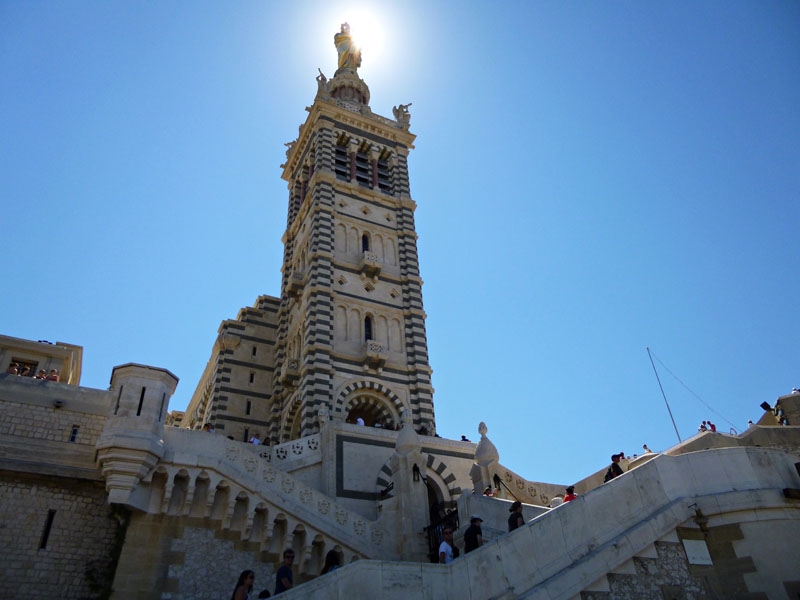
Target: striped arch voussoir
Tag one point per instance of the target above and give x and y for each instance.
(348, 398)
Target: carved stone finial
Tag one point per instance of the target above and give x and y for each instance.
(486, 452)
(407, 439)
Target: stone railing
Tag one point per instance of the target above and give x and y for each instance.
(588, 538)
(292, 455)
(205, 475)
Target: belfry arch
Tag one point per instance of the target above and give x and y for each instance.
(370, 400)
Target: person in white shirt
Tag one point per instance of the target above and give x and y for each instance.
(446, 547)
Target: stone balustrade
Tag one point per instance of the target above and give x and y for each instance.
(205, 475)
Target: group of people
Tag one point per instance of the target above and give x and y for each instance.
(473, 539)
(473, 536)
(707, 426)
(25, 371)
(284, 578)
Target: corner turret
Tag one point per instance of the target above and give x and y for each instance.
(130, 444)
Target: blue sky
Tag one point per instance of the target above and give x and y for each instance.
(592, 178)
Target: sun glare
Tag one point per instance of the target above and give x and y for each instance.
(368, 35)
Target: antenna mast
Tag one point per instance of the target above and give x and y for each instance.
(664, 395)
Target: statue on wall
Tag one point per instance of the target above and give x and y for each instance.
(401, 114)
(322, 83)
(349, 53)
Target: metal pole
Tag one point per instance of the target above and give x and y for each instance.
(664, 395)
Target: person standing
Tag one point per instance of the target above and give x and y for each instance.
(283, 578)
(515, 519)
(446, 547)
(332, 562)
(570, 495)
(614, 470)
(244, 585)
(473, 536)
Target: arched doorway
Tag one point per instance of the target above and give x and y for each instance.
(373, 409)
(442, 511)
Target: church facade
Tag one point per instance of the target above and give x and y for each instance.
(105, 494)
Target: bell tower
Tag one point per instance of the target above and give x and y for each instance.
(351, 335)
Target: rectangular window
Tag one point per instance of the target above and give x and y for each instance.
(246, 435)
(249, 406)
(363, 169)
(384, 177)
(74, 435)
(341, 163)
(254, 350)
(252, 377)
(26, 368)
(48, 524)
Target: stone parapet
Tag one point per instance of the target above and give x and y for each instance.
(50, 428)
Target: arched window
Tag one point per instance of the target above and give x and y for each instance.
(367, 328)
(365, 243)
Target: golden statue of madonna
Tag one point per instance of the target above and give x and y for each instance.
(349, 53)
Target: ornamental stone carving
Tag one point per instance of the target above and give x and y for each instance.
(377, 537)
(287, 485)
(269, 475)
(306, 496)
(341, 516)
(359, 527)
(323, 507)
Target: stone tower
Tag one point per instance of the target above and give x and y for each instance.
(351, 327)
(346, 338)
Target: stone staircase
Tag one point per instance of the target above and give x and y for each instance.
(571, 552)
(237, 490)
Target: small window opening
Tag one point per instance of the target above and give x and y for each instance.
(249, 406)
(367, 328)
(246, 435)
(141, 402)
(119, 396)
(74, 435)
(48, 524)
(252, 377)
(365, 243)
(254, 351)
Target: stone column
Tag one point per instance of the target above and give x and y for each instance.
(410, 492)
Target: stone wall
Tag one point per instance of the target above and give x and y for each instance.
(183, 558)
(80, 541)
(666, 577)
(45, 423)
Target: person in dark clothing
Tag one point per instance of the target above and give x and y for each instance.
(283, 578)
(473, 536)
(515, 519)
(614, 470)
